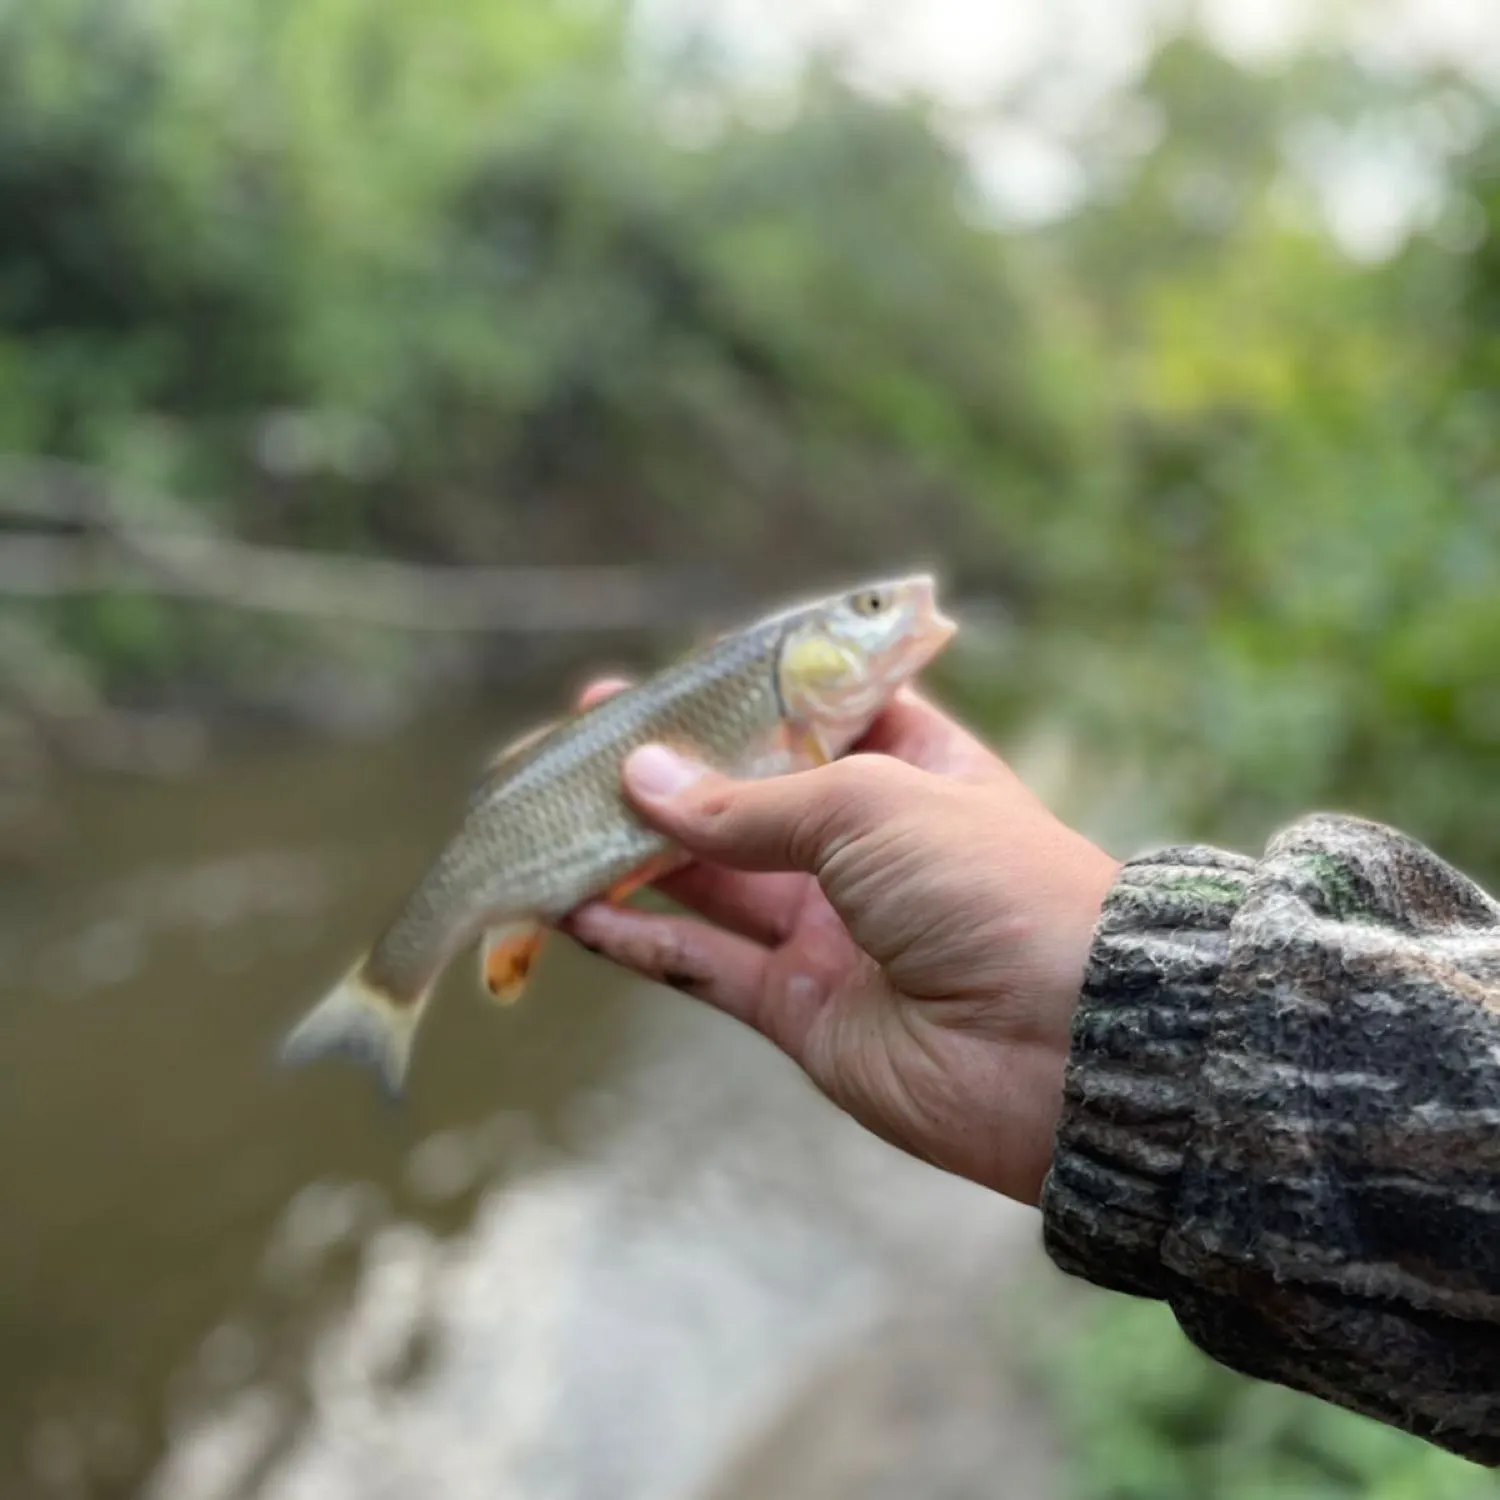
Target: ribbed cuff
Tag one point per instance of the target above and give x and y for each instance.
(1132, 1084)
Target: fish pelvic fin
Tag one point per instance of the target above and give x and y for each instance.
(648, 873)
(362, 1022)
(507, 956)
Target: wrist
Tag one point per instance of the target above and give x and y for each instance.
(1063, 952)
(1064, 939)
(1130, 1087)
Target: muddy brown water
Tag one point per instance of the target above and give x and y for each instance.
(602, 1242)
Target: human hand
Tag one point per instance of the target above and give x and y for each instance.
(910, 924)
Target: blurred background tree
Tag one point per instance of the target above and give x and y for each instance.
(476, 282)
(472, 284)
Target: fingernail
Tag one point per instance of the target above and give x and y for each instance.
(655, 771)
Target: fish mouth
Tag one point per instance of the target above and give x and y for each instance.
(940, 629)
(929, 631)
(935, 629)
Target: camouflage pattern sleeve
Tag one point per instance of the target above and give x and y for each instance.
(1282, 1116)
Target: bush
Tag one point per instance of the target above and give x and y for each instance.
(1142, 1415)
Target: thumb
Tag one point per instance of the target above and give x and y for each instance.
(792, 822)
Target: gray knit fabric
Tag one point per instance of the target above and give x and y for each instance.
(1282, 1116)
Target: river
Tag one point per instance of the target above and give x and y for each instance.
(611, 1245)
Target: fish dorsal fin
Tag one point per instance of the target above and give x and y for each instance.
(505, 759)
(507, 753)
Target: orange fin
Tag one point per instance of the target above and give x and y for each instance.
(653, 869)
(507, 957)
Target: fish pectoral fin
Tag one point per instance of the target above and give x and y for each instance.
(507, 956)
(808, 745)
(644, 874)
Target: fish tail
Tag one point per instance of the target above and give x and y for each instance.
(363, 1022)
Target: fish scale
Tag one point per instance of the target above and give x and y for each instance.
(555, 827)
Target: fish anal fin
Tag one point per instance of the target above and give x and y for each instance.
(507, 957)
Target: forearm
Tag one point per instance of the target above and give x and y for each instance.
(1281, 1116)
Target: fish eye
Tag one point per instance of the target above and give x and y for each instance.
(871, 601)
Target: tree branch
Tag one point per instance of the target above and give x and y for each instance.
(164, 549)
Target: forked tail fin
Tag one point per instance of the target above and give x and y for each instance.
(361, 1022)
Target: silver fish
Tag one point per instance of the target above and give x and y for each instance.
(548, 828)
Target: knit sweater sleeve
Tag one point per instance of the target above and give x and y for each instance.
(1282, 1116)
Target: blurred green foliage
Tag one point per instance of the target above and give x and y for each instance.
(463, 282)
(1302, 516)
(1147, 1417)
(466, 282)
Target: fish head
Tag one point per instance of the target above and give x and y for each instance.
(843, 658)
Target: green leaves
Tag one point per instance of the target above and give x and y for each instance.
(1145, 1416)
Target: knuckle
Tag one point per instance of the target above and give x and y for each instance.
(805, 990)
(716, 805)
(717, 819)
(791, 1005)
(665, 955)
(848, 797)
